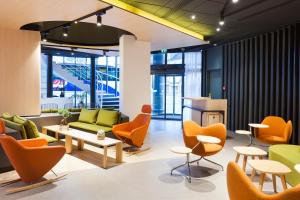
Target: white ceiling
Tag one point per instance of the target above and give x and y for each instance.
(15, 13)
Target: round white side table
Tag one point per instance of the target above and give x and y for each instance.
(186, 151)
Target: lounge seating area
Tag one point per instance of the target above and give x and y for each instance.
(124, 99)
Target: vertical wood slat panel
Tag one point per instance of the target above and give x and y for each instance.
(262, 77)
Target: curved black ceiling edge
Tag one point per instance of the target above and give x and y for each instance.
(81, 34)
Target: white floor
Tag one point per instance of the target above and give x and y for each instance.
(142, 176)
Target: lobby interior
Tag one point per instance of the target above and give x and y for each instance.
(160, 99)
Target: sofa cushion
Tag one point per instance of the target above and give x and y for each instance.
(7, 116)
(89, 127)
(288, 155)
(31, 129)
(47, 137)
(18, 127)
(19, 120)
(107, 117)
(88, 116)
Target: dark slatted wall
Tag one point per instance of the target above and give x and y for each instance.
(262, 78)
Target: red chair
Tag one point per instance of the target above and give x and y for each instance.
(134, 132)
(32, 159)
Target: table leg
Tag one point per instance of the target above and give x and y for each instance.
(252, 174)
(237, 157)
(119, 152)
(260, 157)
(57, 136)
(253, 157)
(261, 181)
(104, 156)
(68, 144)
(245, 162)
(44, 131)
(274, 182)
(80, 144)
(283, 181)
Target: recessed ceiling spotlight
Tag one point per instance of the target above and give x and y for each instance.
(218, 29)
(44, 36)
(65, 31)
(99, 20)
(222, 22)
(235, 1)
(75, 22)
(193, 17)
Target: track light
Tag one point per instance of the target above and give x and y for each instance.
(235, 1)
(75, 22)
(44, 36)
(193, 17)
(222, 21)
(99, 20)
(218, 29)
(65, 31)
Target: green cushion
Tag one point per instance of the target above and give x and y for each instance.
(88, 116)
(7, 116)
(17, 127)
(89, 127)
(19, 120)
(47, 137)
(107, 117)
(288, 155)
(31, 129)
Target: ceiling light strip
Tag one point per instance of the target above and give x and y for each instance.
(152, 17)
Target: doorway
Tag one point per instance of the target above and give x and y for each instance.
(167, 92)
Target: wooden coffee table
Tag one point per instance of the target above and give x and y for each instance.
(272, 167)
(248, 151)
(82, 137)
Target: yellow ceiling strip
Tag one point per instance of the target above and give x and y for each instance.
(152, 17)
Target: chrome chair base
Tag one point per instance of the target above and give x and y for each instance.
(189, 178)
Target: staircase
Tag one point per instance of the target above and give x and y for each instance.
(80, 77)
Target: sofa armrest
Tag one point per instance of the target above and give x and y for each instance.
(123, 118)
(36, 142)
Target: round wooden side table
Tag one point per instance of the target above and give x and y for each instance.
(248, 151)
(255, 126)
(270, 167)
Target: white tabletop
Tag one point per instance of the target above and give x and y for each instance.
(249, 151)
(208, 139)
(297, 168)
(243, 132)
(181, 150)
(269, 166)
(258, 125)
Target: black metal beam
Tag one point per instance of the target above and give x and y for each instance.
(49, 76)
(92, 84)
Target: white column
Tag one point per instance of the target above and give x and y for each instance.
(135, 86)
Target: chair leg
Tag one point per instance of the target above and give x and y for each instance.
(178, 167)
(214, 163)
(36, 185)
(196, 161)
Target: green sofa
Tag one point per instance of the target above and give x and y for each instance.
(288, 155)
(25, 128)
(98, 119)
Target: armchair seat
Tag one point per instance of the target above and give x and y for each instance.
(211, 149)
(126, 134)
(273, 139)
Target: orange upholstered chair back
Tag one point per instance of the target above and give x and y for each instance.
(192, 129)
(241, 188)
(146, 109)
(2, 127)
(30, 163)
(277, 127)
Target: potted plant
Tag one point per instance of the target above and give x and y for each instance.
(64, 122)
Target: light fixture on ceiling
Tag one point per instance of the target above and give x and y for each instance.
(235, 1)
(66, 30)
(99, 20)
(218, 29)
(75, 22)
(222, 21)
(44, 36)
(193, 17)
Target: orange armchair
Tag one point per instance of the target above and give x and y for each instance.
(134, 132)
(279, 131)
(241, 188)
(192, 129)
(32, 159)
(2, 127)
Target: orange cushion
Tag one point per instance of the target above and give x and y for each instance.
(272, 139)
(211, 148)
(146, 109)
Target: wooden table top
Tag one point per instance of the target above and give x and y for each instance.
(208, 139)
(181, 150)
(249, 151)
(243, 132)
(269, 166)
(82, 135)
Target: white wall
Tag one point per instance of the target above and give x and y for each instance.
(20, 72)
(135, 78)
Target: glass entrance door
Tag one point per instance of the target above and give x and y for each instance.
(167, 96)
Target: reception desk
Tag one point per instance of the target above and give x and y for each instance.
(205, 110)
